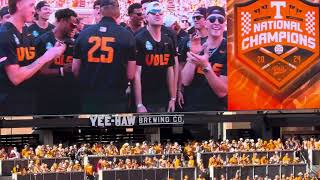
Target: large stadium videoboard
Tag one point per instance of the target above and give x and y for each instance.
(274, 55)
(234, 55)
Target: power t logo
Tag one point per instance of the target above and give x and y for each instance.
(277, 40)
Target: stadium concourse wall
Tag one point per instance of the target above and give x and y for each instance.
(262, 123)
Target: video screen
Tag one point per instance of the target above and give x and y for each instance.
(84, 57)
(94, 57)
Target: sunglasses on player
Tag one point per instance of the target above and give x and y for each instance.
(184, 21)
(213, 19)
(138, 14)
(197, 17)
(155, 11)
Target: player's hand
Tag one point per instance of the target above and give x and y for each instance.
(171, 106)
(142, 109)
(54, 52)
(180, 99)
(60, 48)
(200, 60)
(67, 67)
(195, 43)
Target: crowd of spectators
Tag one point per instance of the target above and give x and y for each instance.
(245, 159)
(46, 151)
(300, 176)
(147, 163)
(36, 167)
(189, 149)
(244, 145)
(240, 152)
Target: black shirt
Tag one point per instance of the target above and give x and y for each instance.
(56, 90)
(166, 31)
(37, 31)
(180, 36)
(47, 41)
(15, 48)
(155, 59)
(104, 50)
(199, 95)
(184, 47)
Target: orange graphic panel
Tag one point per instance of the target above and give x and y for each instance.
(273, 55)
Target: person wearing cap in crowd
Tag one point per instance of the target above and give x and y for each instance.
(191, 44)
(41, 24)
(184, 23)
(104, 62)
(167, 32)
(154, 81)
(18, 63)
(135, 13)
(4, 15)
(58, 77)
(205, 75)
(171, 21)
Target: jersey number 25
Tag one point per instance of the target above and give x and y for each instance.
(101, 43)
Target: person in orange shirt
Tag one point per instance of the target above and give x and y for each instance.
(158, 148)
(264, 160)
(212, 161)
(244, 160)
(271, 146)
(188, 150)
(279, 144)
(54, 167)
(191, 162)
(25, 152)
(124, 149)
(177, 162)
(137, 150)
(234, 159)
(88, 169)
(77, 167)
(255, 160)
(286, 159)
(219, 160)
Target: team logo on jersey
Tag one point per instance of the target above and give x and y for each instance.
(35, 33)
(103, 29)
(189, 44)
(49, 45)
(3, 59)
(277, 40)
(16, 39)
(149, 46)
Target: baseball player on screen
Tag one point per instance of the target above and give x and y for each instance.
(18, 63)
(104, 62)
